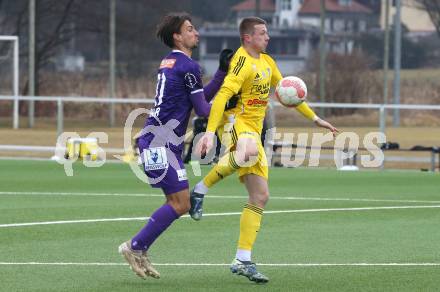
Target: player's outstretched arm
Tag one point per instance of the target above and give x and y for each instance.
(231, 86)
(197, 94)
(215, 116)
(213, 86)
(201, 106)
(307, 112)
(324, 124)
(200, 98)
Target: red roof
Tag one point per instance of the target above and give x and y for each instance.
(265, 5)
(314, 6)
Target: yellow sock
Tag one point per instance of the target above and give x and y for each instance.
(250, 222)
(225, 166)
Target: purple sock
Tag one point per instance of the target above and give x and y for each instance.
(158, 223)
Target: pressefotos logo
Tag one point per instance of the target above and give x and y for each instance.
(346, 145)
(63, 141)
(158, 156)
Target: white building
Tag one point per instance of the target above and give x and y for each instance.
(344, 21)
(290, 45)
(293, 28)
(286, 13)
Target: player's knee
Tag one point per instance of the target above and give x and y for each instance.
(182, 208)
(260, 198)
(264, 197)
(180, 204)
(187, 206)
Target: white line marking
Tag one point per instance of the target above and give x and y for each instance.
(216, 265)
(73, 221)
(355, 200)
(217, 197)
(219, 214)
(79, 194)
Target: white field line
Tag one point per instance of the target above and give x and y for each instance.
(218, 264)
(215, 197)
(220, 214)
(81, 194)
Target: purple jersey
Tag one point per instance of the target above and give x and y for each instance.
(179, 77)
(179, 89)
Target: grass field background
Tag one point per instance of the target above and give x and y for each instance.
(326, 221)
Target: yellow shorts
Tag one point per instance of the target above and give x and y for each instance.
(229, 134)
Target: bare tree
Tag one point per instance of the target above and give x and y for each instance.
(54, 29)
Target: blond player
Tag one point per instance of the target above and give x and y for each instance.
(251, 74)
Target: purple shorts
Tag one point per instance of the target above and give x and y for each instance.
(164, 169)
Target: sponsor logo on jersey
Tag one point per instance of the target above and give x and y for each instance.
(256, 102)
(155, 158)
(167, 63)
(260, 88)
(257, 77)
(263, 74)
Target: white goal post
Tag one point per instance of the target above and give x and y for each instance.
(15, 78)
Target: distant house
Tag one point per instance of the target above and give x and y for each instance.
(293, 28)
(344, 20)
(286, 13)
(291, 48)
(413, 17)
(290, 45)
(247, 8)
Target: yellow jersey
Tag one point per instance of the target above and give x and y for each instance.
(250, 78)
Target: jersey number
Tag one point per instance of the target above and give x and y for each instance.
(160, 87)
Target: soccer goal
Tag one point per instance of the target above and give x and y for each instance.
(9, 75)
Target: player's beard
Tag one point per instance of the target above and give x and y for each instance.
(196, 44)
(192, 46)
